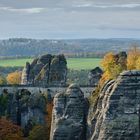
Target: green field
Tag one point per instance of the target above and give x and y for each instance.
(73, 63)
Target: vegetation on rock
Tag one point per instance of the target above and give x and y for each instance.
(133, 59)
(39, 132)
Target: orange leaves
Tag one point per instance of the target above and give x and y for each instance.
(9, 131)
(14, 78)
(49, 108)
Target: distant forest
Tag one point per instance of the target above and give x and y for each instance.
(21, 47)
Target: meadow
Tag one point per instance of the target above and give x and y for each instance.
(73, 63)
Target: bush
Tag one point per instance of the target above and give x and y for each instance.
(9, 131)
(39, 133)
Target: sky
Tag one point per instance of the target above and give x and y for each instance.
(69, 19)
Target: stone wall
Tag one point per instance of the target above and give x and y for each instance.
(52, 90)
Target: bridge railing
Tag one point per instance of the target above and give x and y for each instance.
(50, 86)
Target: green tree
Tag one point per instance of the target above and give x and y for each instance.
(2, 80)
(39, 133)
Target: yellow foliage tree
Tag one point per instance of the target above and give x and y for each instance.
(2, 80)
(133, 58)
(14, 78)
(138, 64)
(111, 67)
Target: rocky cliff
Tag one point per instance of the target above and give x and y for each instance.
(116, 115)
(24, 108)
(45, 70)
(69, 115)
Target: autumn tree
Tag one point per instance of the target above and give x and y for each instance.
(133, 60)
(14, 78)
(138, 64)
(49, 108)
(2, 80)
(113, 65)
(9, 131)
(42, 132)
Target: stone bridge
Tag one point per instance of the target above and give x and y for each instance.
(52, 90)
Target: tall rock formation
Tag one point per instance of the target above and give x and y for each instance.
(24, 108)
(69, 115)
(94, 76)
(25, 74)
(121, 58)
(45, 70)
(116, 115)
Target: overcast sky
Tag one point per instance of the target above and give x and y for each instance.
(60, 19)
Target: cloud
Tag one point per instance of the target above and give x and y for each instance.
(23, 10)
(70, 18)
(104, 6)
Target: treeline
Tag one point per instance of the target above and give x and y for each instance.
(86, 55)
(15, 57)
(21, 47)
(77, 55)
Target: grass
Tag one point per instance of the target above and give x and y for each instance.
(73, 63)
(83, 63)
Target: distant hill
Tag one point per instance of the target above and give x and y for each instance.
(33, 47)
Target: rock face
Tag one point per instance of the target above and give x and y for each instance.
(45, 70)
(69, 115)
(24, 108)
(121, 59)
(25, 73)
(116, 115)
(94, 76)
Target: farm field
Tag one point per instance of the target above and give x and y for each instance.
(73, 63)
